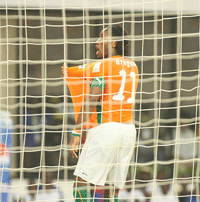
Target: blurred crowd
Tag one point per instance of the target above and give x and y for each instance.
(165, 163)
(160, 186)
(143, 184)
(46, 191)
(45, 131)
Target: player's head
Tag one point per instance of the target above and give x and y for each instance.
(121, 47)
(107, 46)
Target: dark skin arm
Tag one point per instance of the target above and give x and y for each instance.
(87, 109)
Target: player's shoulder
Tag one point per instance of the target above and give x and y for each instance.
(125, 62)
(116, 63)
(122, 61)
(102, 64)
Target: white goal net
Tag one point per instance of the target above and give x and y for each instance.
(36, 109)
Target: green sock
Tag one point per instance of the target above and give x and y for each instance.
(107, 200)
(116, 199)
(81, 194)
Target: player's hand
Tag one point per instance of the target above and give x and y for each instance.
(74, 145)
(64, 71)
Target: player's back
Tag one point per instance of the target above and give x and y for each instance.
(119, 94)
(121, 80)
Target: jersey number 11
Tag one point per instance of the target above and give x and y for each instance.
(120, 96)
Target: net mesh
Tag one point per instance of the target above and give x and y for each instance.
(36, 104)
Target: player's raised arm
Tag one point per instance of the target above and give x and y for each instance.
(86, 71)
(77, 71)
(64, 73)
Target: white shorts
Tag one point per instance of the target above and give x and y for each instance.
(107, 153)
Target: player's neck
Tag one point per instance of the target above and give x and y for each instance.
(111, 56)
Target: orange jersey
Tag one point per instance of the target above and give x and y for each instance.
(79, 88)
(121, 81)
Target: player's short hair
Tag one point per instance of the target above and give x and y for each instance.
(122, 44)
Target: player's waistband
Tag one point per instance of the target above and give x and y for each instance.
(124, 122)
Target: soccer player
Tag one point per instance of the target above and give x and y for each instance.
(108, 149)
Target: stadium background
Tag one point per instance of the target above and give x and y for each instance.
(38, 66)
